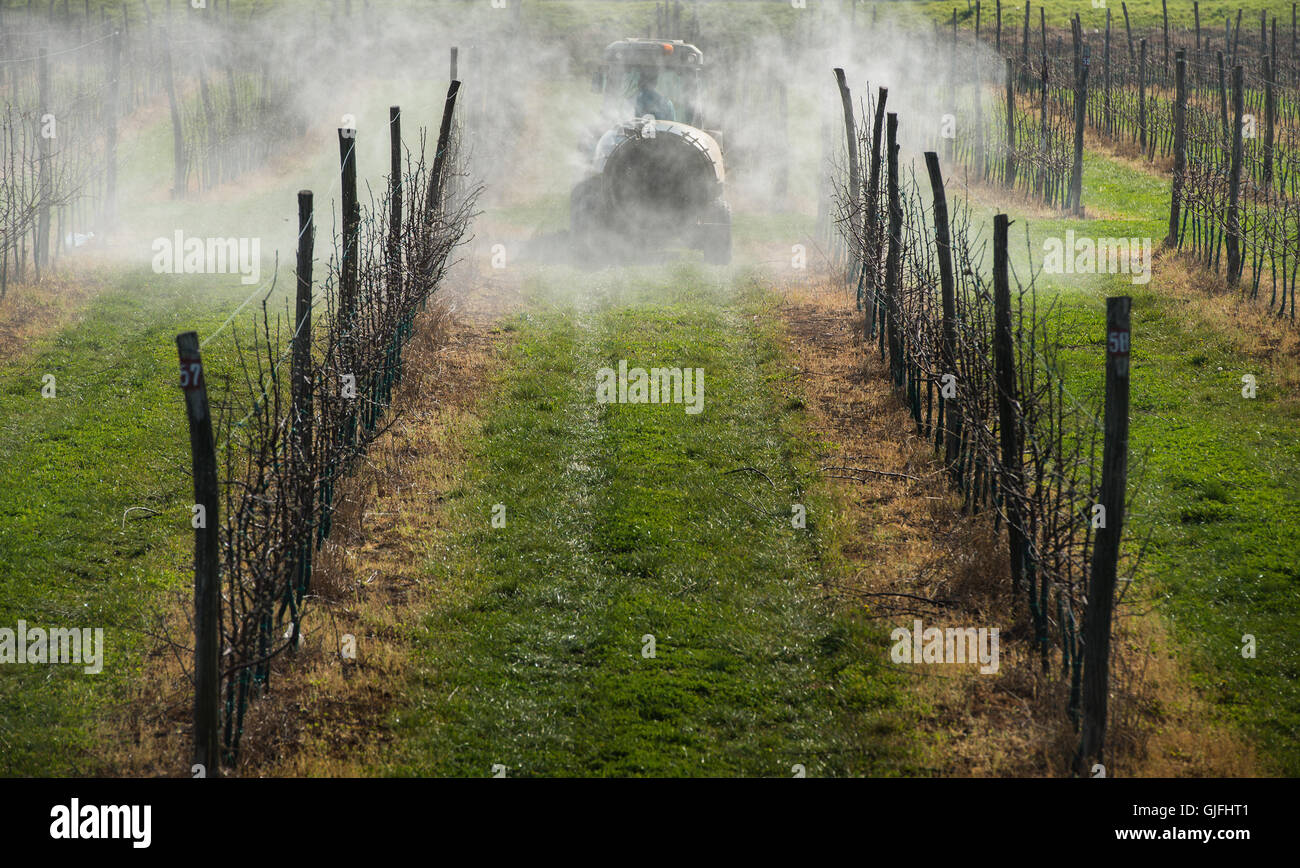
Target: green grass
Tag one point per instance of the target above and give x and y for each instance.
(1220, 506)
(113, 437)
(622, 522)
(1217, 506)
(1219, 502)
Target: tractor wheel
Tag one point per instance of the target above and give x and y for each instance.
(715, 234)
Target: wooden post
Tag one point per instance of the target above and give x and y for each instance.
(1009, 175)
(1129, 33)
(1223, 104)
(1180, 146)
(1164, 8)
(872, 207)
(455, 52)
(855, 177)
(893, 259)
(395, 201)
(207, 553)
(1105, 81)
(1042, 93)
(943, 247)
(1270, 109)
(1024, 50)
(1080, 116)
(981, 162)
(349, 270)
(1234, 181)
(1011, 482)
(433, 198)
(302, 411)
(1142, 94)
(1196, 12)
(1236, 38)
(1105, 551)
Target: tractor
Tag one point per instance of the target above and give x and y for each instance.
(655, 175)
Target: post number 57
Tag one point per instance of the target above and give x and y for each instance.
(191, 374)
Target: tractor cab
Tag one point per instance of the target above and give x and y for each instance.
(650, 183)
(664, 76)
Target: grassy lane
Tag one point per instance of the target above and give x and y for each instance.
(113, 437)
(623, 522)
(1220, 498)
